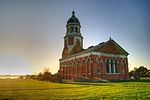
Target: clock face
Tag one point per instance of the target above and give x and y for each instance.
(70, 40)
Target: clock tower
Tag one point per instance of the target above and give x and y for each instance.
(73, 40)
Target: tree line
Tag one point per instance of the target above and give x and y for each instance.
(137, 73)
(44, 76)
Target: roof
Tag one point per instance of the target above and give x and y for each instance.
(110, 47)
(73, 19)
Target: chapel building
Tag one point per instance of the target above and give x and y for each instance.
(107, 60)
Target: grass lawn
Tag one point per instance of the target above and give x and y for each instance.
(35, 90)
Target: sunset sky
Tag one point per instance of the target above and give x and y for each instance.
(32, 31)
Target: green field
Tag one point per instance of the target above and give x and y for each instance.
(37, 90)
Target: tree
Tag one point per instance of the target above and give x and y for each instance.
(139, 72)
(147, 74)
(39, 77)
(142, 71)
(47, 76)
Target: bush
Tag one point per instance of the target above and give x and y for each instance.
(46, 76)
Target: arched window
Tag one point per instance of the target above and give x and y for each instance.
(124, 66)
(76, 29)
(71, 29)
(70, 68)
(66, 69)
(83, 67)
(99, 67)
(75, 68)
(89, 66)
(107, 65)
(112, 66)
(67, 29)
(78, 67)
(116, 67)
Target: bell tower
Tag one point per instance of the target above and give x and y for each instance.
(73, 41)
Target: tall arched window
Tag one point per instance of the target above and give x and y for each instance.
(67, 30)
(112, 66)
(99, 67)
(71, 29)
(107, 65)
(83, 66)
(75, 68)
(89, 66)
(66, 69)
(76, 29)
(116, 67)
(78, 67)
(124, 66)
(70, 68)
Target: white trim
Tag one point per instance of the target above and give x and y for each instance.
(112, 73)
(107, 54)
(86, 54)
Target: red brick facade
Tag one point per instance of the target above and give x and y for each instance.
(87, 67)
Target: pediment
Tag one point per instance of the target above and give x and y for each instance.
(111, 47)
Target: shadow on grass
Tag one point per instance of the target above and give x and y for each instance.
(137, 80)
(90, 83)
(108, 83)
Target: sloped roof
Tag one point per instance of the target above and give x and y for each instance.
(110, 47)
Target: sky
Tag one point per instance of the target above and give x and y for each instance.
(32, 31)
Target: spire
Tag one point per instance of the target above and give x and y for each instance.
(109, 38)
(73, 12)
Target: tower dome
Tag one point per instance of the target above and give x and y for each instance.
(73, 19)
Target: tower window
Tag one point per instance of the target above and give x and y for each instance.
(76, 29)
(67, 29)
(70, 40)
(71, 29)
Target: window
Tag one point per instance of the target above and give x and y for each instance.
(107, 65)
(66, 70)
(70, 68)
(71, 29)
(89, 66)
(99, 68)
(112, 66)
(75, 68)
(76, 29)
(70, 40)
(67, 29)
(124, 67)
(116, 67)
(83, 67)
(78, 68)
